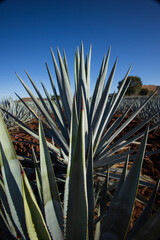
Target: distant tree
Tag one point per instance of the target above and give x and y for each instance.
(53, 97)
(144, 91)
(134, 86)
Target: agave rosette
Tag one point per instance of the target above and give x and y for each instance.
(98, 112)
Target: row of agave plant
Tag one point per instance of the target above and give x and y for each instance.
(152, 106)
(18, 109)
(86, 147)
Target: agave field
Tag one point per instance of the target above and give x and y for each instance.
(19, 109)
(81, 166)
(136, 101)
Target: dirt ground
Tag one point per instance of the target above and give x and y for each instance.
(151, 164)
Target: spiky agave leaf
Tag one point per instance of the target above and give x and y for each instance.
(104, 197)
(58, 116)
(55, 131)
(108, 153)
(6, 217)
(51, 199)
(72, 149)
(90, 193)
(150, 230)
(36, 226)
(33, 133)
(5, 226)
(109, 136)
(118, 217)
(109, 111)
(57, 101)
(98, 228)
(12, 178)
(38, 179)
(65, 64)
(88, 66)
(101, 106)
(144, 217)
(99, 86)
(63, 83)
(77, 212)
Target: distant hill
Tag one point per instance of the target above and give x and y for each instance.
(28, 99)
(151, 88)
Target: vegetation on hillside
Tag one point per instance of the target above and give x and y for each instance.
(135, 87)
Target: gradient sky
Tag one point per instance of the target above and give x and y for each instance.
(29, 28)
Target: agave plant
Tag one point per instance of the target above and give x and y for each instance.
(22, 216)
(20, 110)
(99, 110)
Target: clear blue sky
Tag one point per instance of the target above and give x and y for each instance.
(29, 28)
